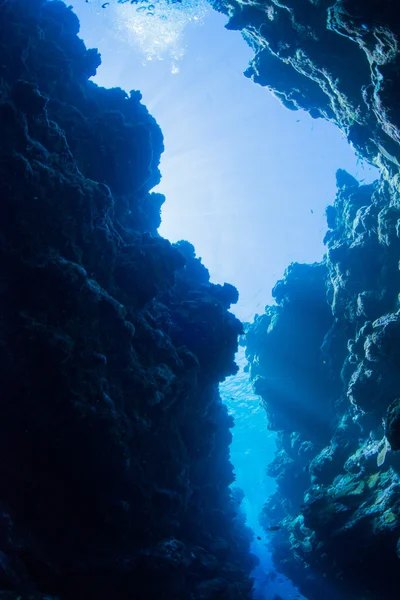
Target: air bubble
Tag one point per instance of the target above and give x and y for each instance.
(159, 37)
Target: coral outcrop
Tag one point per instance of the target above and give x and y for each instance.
(337, 59)
(325, 361)
(115, 472)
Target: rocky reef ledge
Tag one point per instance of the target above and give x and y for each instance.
(326, 358)
(326, 362)
(114, 471)
(337, 59)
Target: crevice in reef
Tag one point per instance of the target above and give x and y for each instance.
(115, 473)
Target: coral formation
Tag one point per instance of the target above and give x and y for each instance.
(325, 361)
(115, 467)
(337, 59)
(331, 400)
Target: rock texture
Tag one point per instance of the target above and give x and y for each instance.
(115, 472)
(326, 362)
(326, 359)
(337, 59)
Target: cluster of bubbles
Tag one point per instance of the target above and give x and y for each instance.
(156, 26)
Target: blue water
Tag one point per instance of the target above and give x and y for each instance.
(252, 448)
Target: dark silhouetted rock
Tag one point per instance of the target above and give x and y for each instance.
(393, 425)
(115, 472)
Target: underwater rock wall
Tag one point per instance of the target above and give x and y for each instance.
(326, 359)
(325, 362)
(337, 59)
(115, 472)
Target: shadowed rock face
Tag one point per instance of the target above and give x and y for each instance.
(115, 444)
(326, 359)
(337, 59)
(325, 362)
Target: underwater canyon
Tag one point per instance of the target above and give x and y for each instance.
(115, 476)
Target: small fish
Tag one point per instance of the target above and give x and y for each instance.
(311, 210)
(259, 538)
(105, 5)
(274, 528)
